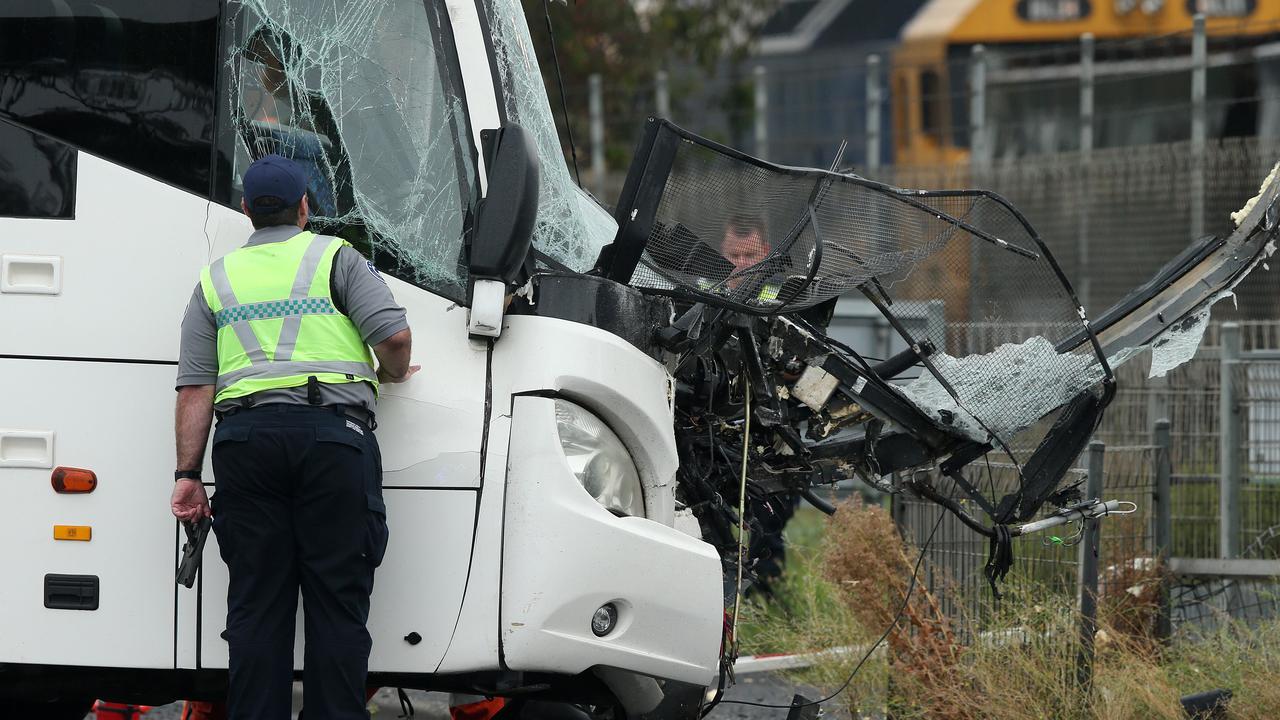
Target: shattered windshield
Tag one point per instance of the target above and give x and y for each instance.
(364, 94)
(571, 227)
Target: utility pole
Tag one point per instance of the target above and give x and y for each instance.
(1083, 280)
(662, 96)
(762, 110)
(979, 150)
(875, 102)
(1199, 127)
(595, 104)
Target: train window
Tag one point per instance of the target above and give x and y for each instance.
(131, 81)
(930, 103)
(901, 123)
(37, 175)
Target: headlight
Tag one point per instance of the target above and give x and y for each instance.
(599, 460)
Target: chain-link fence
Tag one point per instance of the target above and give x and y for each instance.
(1192, 398)
(957, 556)
(1119, 152)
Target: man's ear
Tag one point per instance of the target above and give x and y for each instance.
(244, 207)
(304, 211)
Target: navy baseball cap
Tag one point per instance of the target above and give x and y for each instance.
(273, 183)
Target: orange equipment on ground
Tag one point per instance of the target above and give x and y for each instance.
(103, 710)
(198, 710)
(477, 709)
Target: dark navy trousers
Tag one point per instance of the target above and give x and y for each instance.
(298, 504)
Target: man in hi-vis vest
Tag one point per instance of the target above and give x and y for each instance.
(276, 342)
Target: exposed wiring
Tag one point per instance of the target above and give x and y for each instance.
(564, 103)
(742, 512)
(906, 600)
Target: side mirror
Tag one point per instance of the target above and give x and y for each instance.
(504, 225)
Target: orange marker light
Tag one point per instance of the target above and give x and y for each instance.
(84, 533)
(69, 480)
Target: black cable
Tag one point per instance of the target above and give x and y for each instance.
(906, 600)
(564, 103)
(991, 480)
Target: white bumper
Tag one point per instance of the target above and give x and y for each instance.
(564, 556)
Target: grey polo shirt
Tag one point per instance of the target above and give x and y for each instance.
(358, 291)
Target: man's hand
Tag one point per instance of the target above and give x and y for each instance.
(384, 377)
(189, 501)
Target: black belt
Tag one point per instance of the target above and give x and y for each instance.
(352, 412)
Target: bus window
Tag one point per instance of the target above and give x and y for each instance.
(365, 97)
(280, 116)
(37, 175)
(571, 226)
(131, 81)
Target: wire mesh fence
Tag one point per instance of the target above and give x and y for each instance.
(957, 556)
(1115, 186)
(1129, 557)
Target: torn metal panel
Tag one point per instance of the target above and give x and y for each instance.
(1179, 344)
(815, 387)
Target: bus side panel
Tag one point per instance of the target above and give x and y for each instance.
(113, 282)
(417, 591)
(116, 420)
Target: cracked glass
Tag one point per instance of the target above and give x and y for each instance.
(365, 95)
(571, 226)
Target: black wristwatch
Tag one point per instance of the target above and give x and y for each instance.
(186, 475)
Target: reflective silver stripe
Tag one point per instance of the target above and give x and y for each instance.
(227, 296)
(287, 368)
(307, 268)
(302, 282)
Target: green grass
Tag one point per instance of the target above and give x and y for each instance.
(802, 599)
(1023, 666)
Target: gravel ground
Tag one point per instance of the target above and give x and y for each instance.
(769, 689)
(765, 688)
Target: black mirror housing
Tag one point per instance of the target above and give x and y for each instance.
(504, 220)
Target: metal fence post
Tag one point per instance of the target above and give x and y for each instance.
(1088, 578)
(874, 108)
(979, 153)
(898, 508)
(1229, 444)
(662, 94)
(1162, 521)
(596, 108)
(1083, 281)
(1199, 70)
(762, 109)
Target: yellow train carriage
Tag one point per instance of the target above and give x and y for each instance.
(929, 76)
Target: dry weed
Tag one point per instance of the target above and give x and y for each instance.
(1019, 662)
(868, 562)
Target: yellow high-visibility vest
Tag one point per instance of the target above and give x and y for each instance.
(277, 325)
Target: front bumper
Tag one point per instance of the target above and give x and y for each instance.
(564, 556)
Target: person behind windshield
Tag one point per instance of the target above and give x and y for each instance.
(281, 116)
